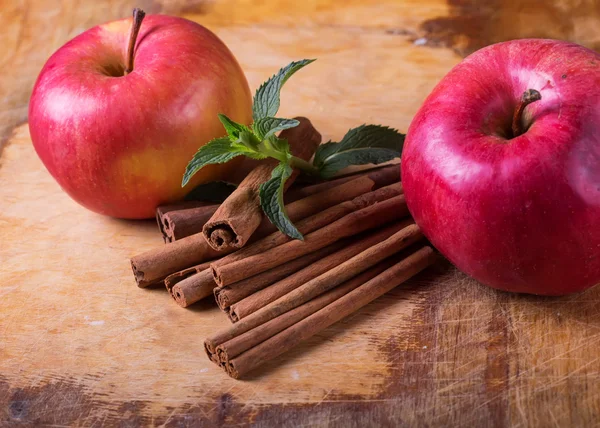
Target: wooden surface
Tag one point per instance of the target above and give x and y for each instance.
(80, 345)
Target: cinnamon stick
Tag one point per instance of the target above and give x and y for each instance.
(234, 347)
(356, 222)
(226, 296)
(313, 223)
(153, 266)
(193, 288)
(383, 176)
(177, 277)
(180, 223)
(240, 215)
(180, 220)
(314, 204)
(320, 284)
(261, 298)
(162, 210)
(317, 321)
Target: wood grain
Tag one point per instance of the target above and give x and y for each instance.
(81, 345)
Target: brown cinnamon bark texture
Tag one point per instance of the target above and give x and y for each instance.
(181, 220)
(320, 284)
(152, 267)
(240, 214)
(234, 347)
(261, 298)
(313, 223)
(193, 288)
(382, 176)
(315, 322)
(178, 224)
(162, 210)
(354, 223)
(226, 296)
(318, 202)
(176, 277)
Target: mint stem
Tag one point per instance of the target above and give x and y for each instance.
(301, 164)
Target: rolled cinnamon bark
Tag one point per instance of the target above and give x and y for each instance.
(177, 277)
(318, 202)
(324, 317)
(180, 223)
(239, 216)
(261, 298)
(320, 284)
(234, 347)
(162, 210)
(196, 289)
(313, 223)
(352, 224)
(180, 220)
(193, 288)
(383, 176)
(152, 267)
(226, 296)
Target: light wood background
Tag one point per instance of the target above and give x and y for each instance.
(81, 345)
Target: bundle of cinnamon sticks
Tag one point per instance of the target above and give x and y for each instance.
(359, 242)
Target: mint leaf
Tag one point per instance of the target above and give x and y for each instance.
(266, 100)
(219, 150)
(233, 128)
(281, 145)
(248, 140)
(356, 157)
(267, 126)
(363, 145)
(271, 200)
(213, 191)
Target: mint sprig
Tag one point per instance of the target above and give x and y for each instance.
(271, 199)
(365, 144)
(267, 126)
(266, 100)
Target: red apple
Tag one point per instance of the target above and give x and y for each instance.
(118, 143)
(519, 210)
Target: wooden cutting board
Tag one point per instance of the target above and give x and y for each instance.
(81, 345)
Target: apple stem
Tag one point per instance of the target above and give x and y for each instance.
(528, 97)
(138, 17)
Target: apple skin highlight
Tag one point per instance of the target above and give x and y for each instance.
(119, 144)
(518, 213)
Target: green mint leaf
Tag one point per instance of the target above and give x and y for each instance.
(213, 191)
(266, 99)
(233, 128)
(363, 145)
(280, 145)
(219, 150)
(356, 157)
(267, 126)
(271, 200)
(248, 140)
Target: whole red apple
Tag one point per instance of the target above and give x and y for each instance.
(510, 192)
(118, 141)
